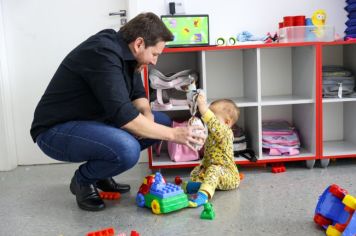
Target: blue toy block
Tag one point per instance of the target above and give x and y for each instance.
(351, 227)
(166, 190)
(331, 212)
(332, 208)
(162, 190)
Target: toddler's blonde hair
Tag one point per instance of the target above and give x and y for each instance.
(229, 108)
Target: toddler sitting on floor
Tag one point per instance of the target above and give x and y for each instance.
(217, 169)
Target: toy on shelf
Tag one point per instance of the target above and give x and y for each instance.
(208, 212)
(335, 212)
(302, 29)
(319, 18)
(221, 41)
(110, 195)
(160, 196)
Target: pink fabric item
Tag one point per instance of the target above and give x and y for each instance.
(179, 152)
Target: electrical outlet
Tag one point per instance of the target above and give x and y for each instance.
(180, 6)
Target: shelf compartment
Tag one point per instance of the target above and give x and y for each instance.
(341, 55)
(302, 117)
(287, 75)
(232, 74)
(339, 130)
(175, 62)
(248, 121)
(340, 148)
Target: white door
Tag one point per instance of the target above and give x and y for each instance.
(38, 35)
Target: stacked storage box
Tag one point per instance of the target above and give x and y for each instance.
(350, 31)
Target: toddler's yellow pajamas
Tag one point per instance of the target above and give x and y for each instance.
(218, 169)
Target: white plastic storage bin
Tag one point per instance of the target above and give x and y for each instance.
(306, 34)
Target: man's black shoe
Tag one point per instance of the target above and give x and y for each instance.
(109, 185)
(87, 196)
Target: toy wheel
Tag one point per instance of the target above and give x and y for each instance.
(332, 231)
(310, 164)
(321, 220)
(337, 191)
(349, 201)
(324, 163)
(140, 200)
(156, 208)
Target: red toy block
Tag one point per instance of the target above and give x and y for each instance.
(103, 232)
(134, 233)
(177, 180)
(110, 195)
(278, 168)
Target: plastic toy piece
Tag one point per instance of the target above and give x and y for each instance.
(160, 196)
(208, 212)
(242, 176)
(103, 232)
(335, 212)
(134, 233)
(110, 195)
(319, 18)
(278, 168)
(165, 190)
(178, 180)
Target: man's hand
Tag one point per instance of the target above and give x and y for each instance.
(190, 136)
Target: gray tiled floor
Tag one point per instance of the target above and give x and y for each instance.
(35, 200)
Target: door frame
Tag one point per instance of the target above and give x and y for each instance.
(8, 160)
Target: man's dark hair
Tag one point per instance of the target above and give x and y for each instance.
(148, 26)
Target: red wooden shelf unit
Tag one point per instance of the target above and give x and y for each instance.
(272, 81)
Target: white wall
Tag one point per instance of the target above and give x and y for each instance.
(37, 35)
(229, 17)
(8, 159)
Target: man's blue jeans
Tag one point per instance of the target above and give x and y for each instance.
(106, 150)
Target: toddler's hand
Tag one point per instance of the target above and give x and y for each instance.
(201, 99)
(201, 102)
